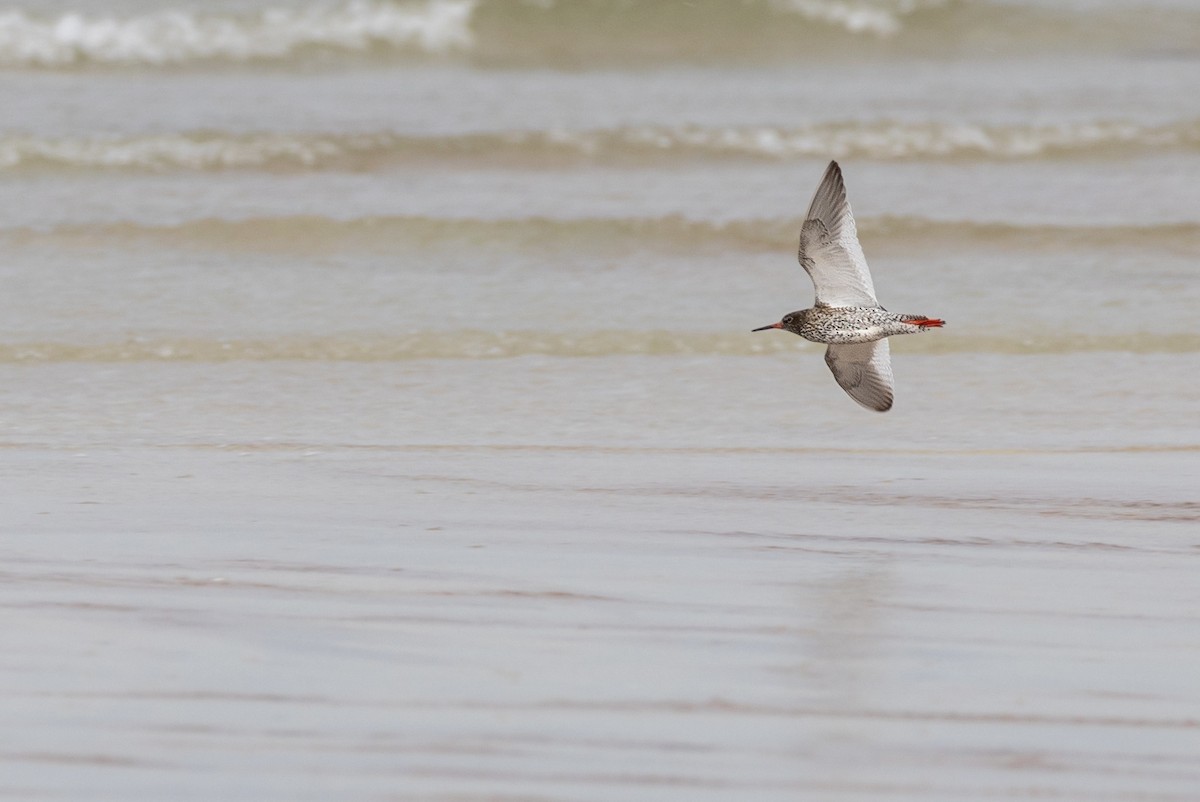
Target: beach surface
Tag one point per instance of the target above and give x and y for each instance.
(380, 418)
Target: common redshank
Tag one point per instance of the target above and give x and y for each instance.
(846, 315)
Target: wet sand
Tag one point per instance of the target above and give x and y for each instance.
(531, 622)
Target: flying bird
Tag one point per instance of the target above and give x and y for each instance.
(846, 315)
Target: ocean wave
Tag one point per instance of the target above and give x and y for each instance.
(880, 17)
(882, 140)
(199, 151)
(513, 344)
(627, 145)
(670, 233)
(575, 33)
(178, 36)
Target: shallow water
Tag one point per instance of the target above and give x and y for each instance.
(381, 418)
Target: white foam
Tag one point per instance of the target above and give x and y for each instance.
(878, 17)
(897, 141)
(172, 151)
(208, 150)
(172, 37)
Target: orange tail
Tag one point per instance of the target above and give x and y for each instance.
(927, 322)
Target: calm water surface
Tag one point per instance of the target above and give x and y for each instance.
(379, 417)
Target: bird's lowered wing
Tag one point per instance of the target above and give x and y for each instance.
(829, 248)
(864, 370)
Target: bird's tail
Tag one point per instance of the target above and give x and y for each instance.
(924, 322)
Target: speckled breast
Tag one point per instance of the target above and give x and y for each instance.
(840, 325)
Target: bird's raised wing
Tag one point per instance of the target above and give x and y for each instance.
(864, 370)
(829, 248)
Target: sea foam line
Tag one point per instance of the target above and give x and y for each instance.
(873, 140)
(880, 17)
(571, 33)
(177, 36)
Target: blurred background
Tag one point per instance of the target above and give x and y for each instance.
(333, 184)
(379, 416)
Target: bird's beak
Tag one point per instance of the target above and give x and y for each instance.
(772, 326)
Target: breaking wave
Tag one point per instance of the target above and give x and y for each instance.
(880, 17)
(512, 344)
(571, 33)
(628, 145)
(178, 36)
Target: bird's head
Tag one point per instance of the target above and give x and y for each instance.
(791, 322)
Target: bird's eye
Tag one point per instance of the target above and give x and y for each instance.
(788, 320)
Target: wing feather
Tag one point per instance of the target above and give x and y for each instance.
(864, 371)
(829, 247)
